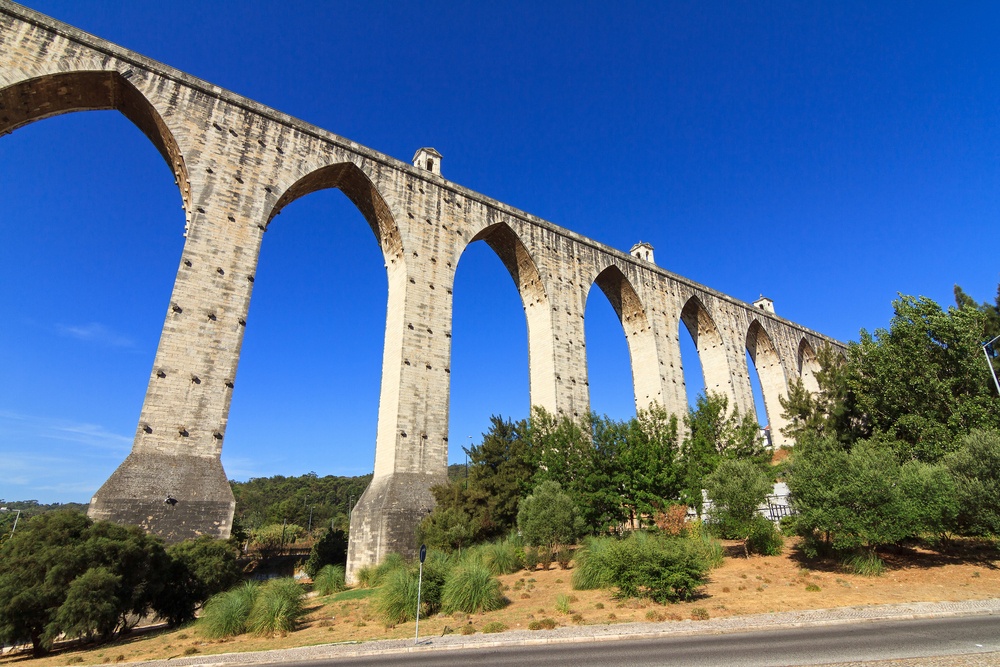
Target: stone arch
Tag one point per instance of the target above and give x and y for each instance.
(638, 334)
(808, 365)
(711, 349)
(773, 382)
(51, 95)
(516, 257)
(355, 184)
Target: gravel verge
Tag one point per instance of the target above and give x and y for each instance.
(624, 631)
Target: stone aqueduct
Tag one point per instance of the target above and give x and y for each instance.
(237, 163)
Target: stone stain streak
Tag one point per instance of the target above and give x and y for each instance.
(237, 163)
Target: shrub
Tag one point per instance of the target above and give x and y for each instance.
(530, 558)
(764, 538)
(699, 614)
(226, 614)
(673, 520)
(548, 517)
(562, 604)
(471, 588)
(977, 487)
(329, 580)
(494, 626)
(397, 601)
(737, 487)
(547, 624)
(545, 557)
(563, 557)
(277, 608)
(330, 549)
(468, 630)
(664, 569)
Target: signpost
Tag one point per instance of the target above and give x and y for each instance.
(420, 581)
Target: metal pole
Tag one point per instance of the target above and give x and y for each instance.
(990, 362)
(420, 581)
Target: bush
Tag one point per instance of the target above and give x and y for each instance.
(397, 601)
(764, 538)
(494, 626)
(562, 604)
(977, 486)
(530, 558)
(737, 487)
(563, 557)
(471, 588)
(664, 569)
(331, 549)
(329, 580)
(226, 614)
(200, 568)
(548, 517)
(277, 608)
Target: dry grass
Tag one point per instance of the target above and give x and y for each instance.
(740, 586)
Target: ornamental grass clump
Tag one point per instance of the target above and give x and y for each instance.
(277, 608)
(226, 614)
(329, 580)
(471, 588)
(502, 557)
(397, 601)
(589, 571)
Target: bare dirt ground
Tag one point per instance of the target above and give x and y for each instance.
(789, 582)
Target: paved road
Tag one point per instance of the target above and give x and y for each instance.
(795, 646)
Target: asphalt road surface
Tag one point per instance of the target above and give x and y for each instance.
(792, 646)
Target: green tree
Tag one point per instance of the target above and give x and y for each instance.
(500, 472)
(459, 518)
(737, 488)
(974, 470)
(649, 461)
(40, 564)
(548, 517)
(199, 568)
(330, 549)
(923, 383)
(716, 434)
(851, 498)
(583, 457)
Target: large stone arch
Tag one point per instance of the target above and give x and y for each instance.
(638, 334)
(51, 95)
(708, 341)
(356, 186)
(773, 382)
(523, 269)
(807, 366)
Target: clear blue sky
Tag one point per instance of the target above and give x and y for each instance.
(827, 155)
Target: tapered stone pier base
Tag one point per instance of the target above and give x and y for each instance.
(386, 517)
(138, 491)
